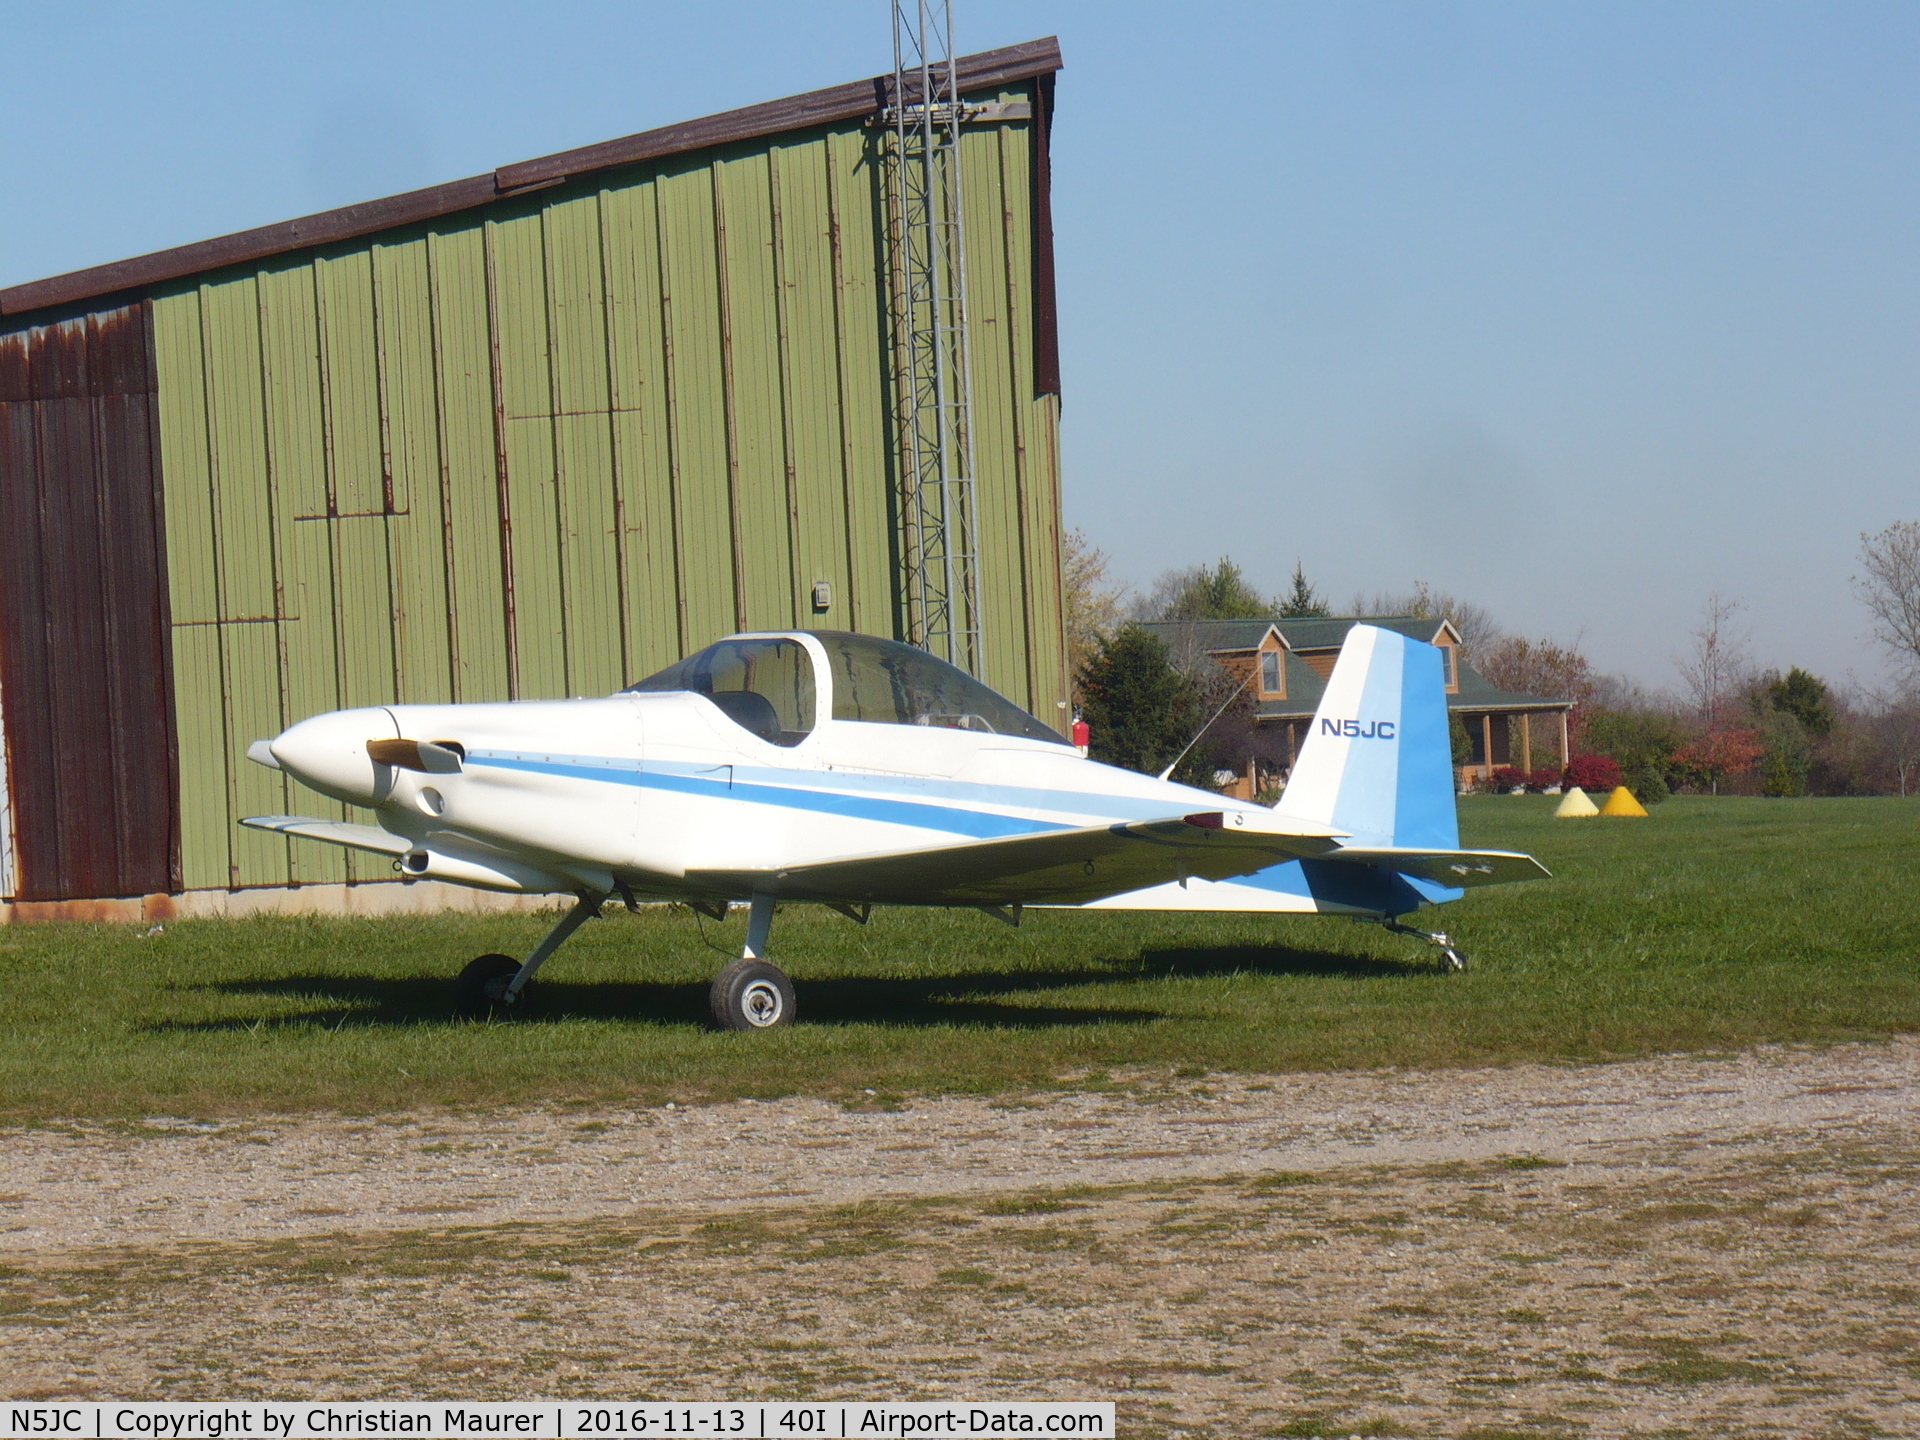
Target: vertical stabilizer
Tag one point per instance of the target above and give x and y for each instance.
(1378, 761)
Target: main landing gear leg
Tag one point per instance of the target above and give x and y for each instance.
(1455, 960)
(751, 993)
(498, 982)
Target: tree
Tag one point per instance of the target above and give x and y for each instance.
(1891, 589)
(1142, 710)
(1090, 596)
(1806, 698)
(1717, 665)
(1303, 603)
(1205, 592)
(1539, 667)
(1477, 628)
(1894, 731)
(1719, 752)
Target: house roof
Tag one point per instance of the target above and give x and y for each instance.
(1314, 633)
(859, 98)
(1475, 695)
(1330, 632)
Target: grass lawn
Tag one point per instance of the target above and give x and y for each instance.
(1713, 925)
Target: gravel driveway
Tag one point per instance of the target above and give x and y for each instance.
(1678, 1245)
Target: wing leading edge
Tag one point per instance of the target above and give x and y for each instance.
(334, 832)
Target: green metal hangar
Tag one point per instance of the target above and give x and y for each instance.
(533, 434)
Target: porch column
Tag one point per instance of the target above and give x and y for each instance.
(1565, 755)
(1486, 741)
(1526, 742)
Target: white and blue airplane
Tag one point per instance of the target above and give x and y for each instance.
(850, 771)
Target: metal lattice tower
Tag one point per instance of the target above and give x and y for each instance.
(928, 273)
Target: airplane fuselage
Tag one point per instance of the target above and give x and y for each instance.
(642, 789)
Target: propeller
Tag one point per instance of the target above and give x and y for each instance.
(430, 757)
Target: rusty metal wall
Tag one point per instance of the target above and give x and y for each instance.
(84, 659)
(546, 446)
(7, 876)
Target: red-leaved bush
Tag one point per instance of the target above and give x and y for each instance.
(1592, 772)
(1539, 781)
(1506, 778)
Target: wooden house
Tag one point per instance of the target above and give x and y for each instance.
(1283, 665)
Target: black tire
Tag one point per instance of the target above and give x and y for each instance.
(751, 995)
(482, 986)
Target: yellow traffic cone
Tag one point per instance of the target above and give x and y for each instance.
(1621, 802)
(1575, 806)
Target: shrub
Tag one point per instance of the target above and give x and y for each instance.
(1540, 781)
(1637, 739)
(1592, 772)
(1461, 741)
(1789, 757)
(1506, 778)
(1649, 785)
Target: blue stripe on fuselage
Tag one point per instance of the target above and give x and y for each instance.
(977, 824)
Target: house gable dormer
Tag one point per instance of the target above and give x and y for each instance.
(1271, 658)
(1260, 666)
(1447, 641)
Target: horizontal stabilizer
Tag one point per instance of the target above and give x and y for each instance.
(1458, 869)
(334, 832)
(1056, 867)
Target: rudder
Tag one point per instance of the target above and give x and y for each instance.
(1378, 760)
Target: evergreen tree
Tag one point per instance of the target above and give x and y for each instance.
(1140, 708)
(1805, 698)
(1304, 603)
(1219, 592)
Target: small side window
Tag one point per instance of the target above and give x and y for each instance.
(1270, 672)
(763, 686)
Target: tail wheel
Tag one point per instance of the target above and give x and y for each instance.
(751, 995)
(482, 986)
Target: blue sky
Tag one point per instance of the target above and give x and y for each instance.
(1580, 312)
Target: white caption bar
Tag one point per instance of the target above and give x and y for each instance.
(551, 1420)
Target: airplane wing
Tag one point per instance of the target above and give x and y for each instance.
(1460, 869)
(334, 832)
(1058, 867)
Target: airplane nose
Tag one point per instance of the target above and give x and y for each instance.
(329, 754)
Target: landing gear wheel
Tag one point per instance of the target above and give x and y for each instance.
(482, 986)
(751, 995)
(1455, 960)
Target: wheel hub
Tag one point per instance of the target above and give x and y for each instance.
(762, 1003)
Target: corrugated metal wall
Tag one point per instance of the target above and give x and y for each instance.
(83, 651)
(548, 447)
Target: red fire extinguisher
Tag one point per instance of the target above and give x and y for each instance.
(1082, 734)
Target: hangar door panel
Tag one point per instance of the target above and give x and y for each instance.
(83, 656)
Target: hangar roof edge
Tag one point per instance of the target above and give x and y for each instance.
(774, 117)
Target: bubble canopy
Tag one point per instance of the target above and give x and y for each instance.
(767, 685)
